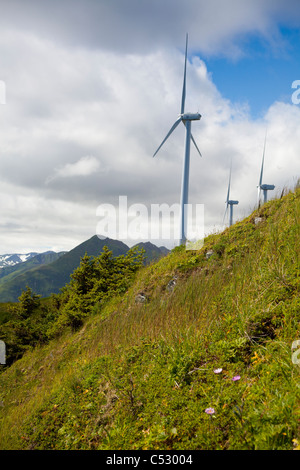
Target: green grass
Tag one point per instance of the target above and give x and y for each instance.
(140, 376)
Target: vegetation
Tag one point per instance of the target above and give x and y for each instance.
(33, 322)
(204, 362)
(48, 273)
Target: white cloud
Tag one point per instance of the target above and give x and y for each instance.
(81, 123)
(141, 26)
(83, 167)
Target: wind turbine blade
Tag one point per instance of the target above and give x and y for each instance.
(193, 140)
(228, 191)
(168, 134)
(225, 214)
(258, 197)
(184, 79)
(261, 171)
(262, 163)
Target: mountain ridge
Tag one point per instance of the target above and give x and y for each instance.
(11, 259)
(48, 278)
(11, 271)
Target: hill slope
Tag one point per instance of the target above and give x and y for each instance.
(205, 363)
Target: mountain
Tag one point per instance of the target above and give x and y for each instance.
(212, 364)
(152, 252)
(50, 278)
(47, 273)
(10, 272)
(13, 259)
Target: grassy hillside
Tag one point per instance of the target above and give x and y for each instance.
(204, 363)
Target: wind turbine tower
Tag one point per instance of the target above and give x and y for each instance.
(229, 203)
(187, 119)
(264, 187)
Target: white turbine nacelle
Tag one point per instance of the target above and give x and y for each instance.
(267, 187)
(190, 116)
(232, 202)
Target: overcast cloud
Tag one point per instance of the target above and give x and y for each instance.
(92, 87)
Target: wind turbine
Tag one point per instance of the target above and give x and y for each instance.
(229, 203)
(264, 187)
(187, 119)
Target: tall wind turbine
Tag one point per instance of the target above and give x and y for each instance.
(229, 202)
(264, 187)
(187, 119)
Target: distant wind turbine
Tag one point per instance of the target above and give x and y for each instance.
(187, 119)
(229, 203)
(264, 187)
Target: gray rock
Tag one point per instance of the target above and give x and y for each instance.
(258, 220)
(209, 253)
(172, 284)
(141, 298)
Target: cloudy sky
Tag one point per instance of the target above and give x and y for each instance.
(89, 88)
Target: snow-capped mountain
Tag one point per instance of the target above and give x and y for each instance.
(14, 258)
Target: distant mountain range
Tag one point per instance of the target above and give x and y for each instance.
(46, 273)
(13, 259)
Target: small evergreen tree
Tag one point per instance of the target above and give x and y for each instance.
(93, 282)
(22, 332)
(28, 302)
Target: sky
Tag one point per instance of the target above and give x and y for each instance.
(89, 89)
